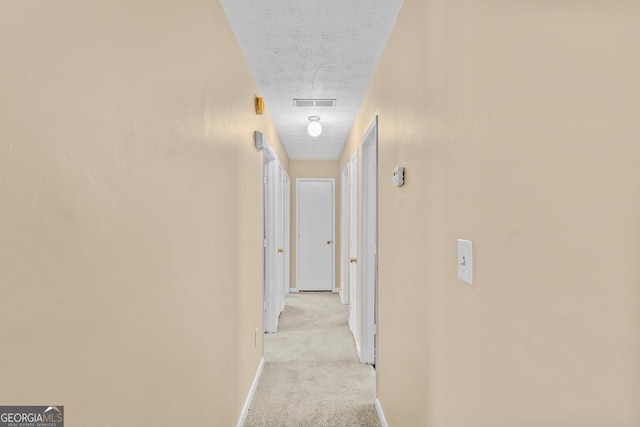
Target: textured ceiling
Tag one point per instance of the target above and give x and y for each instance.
(312, 49)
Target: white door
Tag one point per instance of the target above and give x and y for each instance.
(280, 238)
(369, 245)
(270, 320)
(353, 243)
(315, 253)
(344, 234)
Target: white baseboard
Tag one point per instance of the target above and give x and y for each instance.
(336, 290)
(358, 350)
(380, 412)
(252, 392)
(293, 290)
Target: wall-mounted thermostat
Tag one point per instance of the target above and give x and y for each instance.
(398, 176)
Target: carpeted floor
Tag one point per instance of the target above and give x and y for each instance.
(312, 375)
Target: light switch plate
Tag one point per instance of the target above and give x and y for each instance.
(465, 260)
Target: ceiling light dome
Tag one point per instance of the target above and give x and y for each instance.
(314, 127)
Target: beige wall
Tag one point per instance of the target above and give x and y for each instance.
(518, 126)
(130, 212)
(314, 169)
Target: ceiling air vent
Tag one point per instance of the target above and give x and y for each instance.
(314, 102)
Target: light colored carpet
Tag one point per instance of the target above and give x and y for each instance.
(312, 375)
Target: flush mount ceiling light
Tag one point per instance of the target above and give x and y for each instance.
(314, 127)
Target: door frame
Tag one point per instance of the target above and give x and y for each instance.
(272, 299)
(368, 260)
(353, 245)
(333, 228)
(287, 233)
(344, 234)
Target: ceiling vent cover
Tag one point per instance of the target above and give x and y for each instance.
(314, 102)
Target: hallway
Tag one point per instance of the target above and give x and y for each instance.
(142, 142)
(312, 376)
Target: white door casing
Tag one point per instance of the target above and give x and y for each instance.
(353, 243)
(287, 233)
(315, 234)
(344, 234)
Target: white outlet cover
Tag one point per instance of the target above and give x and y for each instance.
(465, 260)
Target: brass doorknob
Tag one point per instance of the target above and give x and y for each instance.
(281, 250)
(352, 260)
